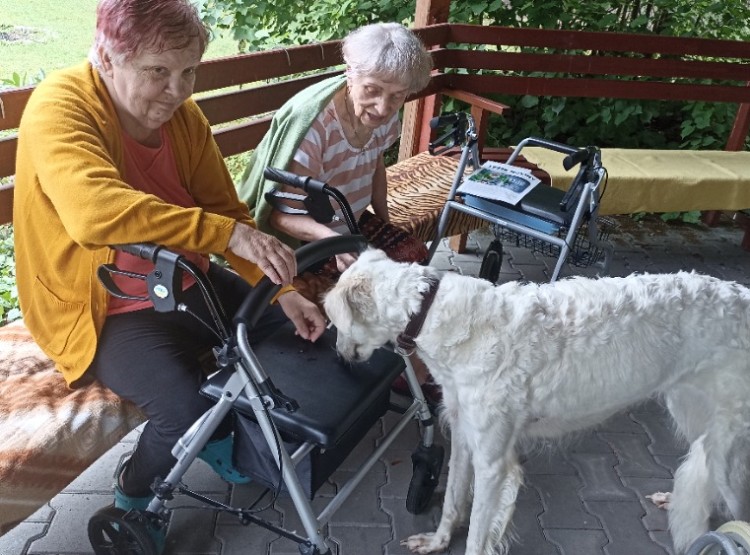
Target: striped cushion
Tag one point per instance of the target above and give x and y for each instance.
(417, 189)
(50, 433)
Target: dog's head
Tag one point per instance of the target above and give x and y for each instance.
(373, 301)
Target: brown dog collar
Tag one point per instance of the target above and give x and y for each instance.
(405, 344)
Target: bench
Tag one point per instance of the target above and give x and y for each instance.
(58, 432)
(555, 63)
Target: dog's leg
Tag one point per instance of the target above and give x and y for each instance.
(496, 487)
(456, 501)
(736, 487)
(693, 496)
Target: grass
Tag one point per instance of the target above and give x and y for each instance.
(44, 35)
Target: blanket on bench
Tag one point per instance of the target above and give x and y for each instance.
(661, 180)
(417, 190)
(49, 433)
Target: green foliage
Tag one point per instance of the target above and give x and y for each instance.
(9, 310)
(261, 24)
(17, 80)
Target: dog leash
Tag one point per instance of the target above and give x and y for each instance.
(405, 344)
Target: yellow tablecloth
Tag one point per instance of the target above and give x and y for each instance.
(661, 180)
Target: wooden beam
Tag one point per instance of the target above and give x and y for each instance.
(418, 113)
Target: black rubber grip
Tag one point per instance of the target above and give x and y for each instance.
(447, 119)
(293, 180)
(576, 158)
(147, 251)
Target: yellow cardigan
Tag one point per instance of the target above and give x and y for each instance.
(70, 203)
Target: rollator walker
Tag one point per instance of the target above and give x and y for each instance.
(562, 224)
(299, 409)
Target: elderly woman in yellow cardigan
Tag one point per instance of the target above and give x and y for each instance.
(114, 151)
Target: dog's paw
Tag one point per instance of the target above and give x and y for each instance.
(660, 499)
(426, 543)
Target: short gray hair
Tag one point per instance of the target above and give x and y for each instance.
(388, 50)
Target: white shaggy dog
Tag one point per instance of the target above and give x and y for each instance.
(535, 361)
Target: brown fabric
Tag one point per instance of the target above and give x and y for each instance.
(417, 189)
(50, 433)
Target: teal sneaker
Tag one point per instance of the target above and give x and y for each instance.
(218, 455)
(127, 503)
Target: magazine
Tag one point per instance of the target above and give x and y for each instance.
(497, 181)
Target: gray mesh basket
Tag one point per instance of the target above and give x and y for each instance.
(583, 252)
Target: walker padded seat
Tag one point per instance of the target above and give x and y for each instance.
(333, 395)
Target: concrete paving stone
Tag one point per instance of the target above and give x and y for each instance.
(562, 506)
(18, 540)
(601, 481)
(670, 462)
(399, 470)
(244, 540)
(411, 436)
(590, 442)
(655, 519)
(68, 531)
(634, 457)
(526, 532)
(405, 524)
(663, 539)
(519, 256)
(545, 460)
(359, 507)
(192, 529)
(664, 440)
(533, 273)
(285, 546)
(354, 536)
(577, 542)
(623, 525)
(364, 448)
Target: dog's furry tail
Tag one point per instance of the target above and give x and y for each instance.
(693, 497)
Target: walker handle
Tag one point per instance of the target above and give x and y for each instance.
(259, 298)
(147, 251)
(292, 179)
(447, 119)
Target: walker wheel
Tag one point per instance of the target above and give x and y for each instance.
(427, 462)
(493, 259)
(738, 531)
(114, 531)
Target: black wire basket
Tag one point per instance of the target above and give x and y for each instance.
(583, 252)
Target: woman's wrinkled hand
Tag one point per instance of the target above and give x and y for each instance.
(274, 258)
(305, 316)
(343, 261)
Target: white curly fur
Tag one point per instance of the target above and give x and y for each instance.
(530, 361)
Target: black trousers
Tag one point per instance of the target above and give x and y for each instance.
(152, 359)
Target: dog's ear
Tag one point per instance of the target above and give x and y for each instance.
(350, 299)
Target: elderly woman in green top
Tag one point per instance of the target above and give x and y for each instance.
(337, 131)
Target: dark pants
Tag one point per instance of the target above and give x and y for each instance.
(152, 359)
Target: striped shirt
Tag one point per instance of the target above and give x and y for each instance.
(328, 156)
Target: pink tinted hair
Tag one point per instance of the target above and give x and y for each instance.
(127, 27)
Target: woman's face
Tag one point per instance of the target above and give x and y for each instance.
(375, 100)
(148, 88)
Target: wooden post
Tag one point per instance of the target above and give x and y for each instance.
(736, 141)
(428, 12)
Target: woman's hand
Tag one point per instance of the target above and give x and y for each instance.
(304, 315)
(273, 257)
(343, 261)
